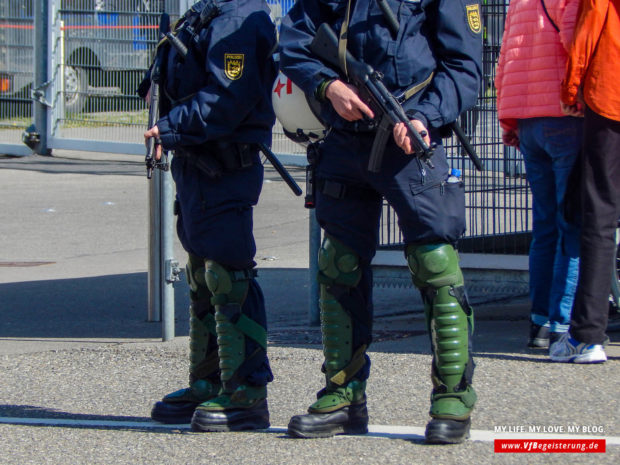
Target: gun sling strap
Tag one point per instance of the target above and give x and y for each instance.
(342, 56)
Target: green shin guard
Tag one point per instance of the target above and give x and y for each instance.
(341, 406)
(435, 271)
(178, 407)
(238, 406)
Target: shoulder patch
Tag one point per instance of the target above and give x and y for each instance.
(233, 65)
(473, 18)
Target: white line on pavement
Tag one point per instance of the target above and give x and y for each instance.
(374, 431)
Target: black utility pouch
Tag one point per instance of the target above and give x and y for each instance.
(441, 210)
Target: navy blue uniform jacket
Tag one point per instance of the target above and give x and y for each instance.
(222, 89)
(443, 37)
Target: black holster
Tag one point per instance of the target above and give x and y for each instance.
(217, 157)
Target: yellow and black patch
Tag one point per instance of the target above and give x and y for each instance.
(233, 65)
(473, 18)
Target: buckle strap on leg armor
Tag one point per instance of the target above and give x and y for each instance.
(357, 363)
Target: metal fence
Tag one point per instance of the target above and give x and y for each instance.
(99, 49)
(498, 200)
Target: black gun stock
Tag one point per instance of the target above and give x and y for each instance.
(374, 93)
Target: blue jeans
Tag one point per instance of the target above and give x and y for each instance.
(550, 147)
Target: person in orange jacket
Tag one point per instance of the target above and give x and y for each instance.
(590, 86)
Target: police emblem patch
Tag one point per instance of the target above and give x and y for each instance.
(473, 18)
(233, 65)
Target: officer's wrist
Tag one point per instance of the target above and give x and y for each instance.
(319, 92)
(412, 114)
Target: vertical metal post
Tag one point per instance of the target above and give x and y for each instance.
(315, 243)
(163, 268)
(39, 108)
(168, 263)
(154, 272)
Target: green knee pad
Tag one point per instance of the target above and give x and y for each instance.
(435, 271)
(227, 287)
(195, 273)
(230, 289)
(338, 265)
(434, 265)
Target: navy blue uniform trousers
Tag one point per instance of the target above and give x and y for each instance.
(214, 222)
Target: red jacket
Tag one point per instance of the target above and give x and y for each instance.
(594, 58)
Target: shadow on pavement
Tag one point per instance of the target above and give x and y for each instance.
(115, 306)
(112, 306)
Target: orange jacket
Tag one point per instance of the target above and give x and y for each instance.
(594, 58)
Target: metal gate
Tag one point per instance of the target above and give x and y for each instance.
(16, 73)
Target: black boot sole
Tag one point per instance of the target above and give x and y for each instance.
(327, 432)
(256, 418)
(348, 420)
(442, 431)
(173, 413)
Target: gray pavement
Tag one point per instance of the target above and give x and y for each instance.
(80, 365)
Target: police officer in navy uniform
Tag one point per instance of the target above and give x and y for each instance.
(216, 109)
(431, 62)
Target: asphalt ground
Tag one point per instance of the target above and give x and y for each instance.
(80, 365)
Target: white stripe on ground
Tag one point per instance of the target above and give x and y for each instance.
(374, 431)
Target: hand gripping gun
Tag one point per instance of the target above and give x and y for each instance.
(149, 160)
(374, 93)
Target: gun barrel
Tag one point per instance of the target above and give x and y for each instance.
(177, 44)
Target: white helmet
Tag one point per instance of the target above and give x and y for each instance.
(297, 113)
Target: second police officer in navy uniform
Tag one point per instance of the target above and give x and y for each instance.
(216, 109)
(431, 61)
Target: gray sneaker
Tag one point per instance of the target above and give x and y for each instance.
(539, 336)
(570, 350)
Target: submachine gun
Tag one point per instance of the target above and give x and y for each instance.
(149, 160)
(373, 92)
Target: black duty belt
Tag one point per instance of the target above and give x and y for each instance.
(216, 157)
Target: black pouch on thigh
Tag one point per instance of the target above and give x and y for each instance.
(439, 211)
